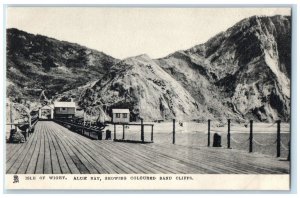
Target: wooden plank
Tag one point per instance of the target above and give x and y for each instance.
(133, 164)
(41, 155)
(221, 162)
(79, 165)
(96, 152)
(54, 159)
(71, 165)
(93, 166)
(168, 163)
(15, 162)
(24, 166)
(81, 155)
(143, 161)
(107, 159)
(13, 148)
(64, 169)
(47, 159)
(91, 159)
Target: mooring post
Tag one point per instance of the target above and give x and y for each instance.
(142, 130)
(208, 134)
(151, 133)
(278, 138)
(115, 135)
(251, 137)
(228, 134)
(173, 131)
(123, 137)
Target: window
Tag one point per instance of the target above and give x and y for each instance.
(124, 115)
(118, 115)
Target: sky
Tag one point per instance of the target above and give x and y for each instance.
(126, 32)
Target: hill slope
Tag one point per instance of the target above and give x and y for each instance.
(36, 63)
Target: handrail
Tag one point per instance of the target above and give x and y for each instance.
(78, 125)
(132, 124)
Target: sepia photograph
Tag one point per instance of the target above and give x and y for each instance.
(148, 97)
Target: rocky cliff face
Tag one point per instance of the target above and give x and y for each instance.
(139, 84)
(246, 69)
(242, 73)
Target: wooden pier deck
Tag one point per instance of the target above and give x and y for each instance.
(53, 149)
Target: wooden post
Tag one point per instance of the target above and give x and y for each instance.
(228, 135)
(151, 133)
(83, 131)
(83, 118)
(29, 120)
(208, 134)
(100, 135)
(278, 138)
(123, 137)
(11, 115)
(289, 155)
(115, 135)
(142, 130)
(251, 137)
(173, 131)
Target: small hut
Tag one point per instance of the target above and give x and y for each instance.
(120, 115)
(64, 109)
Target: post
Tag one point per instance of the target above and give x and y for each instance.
(29, 121)
(100, 135)
(278, 138)
(151, 133)
(208, 134)
(11, 115)
(115, 135)
(173, 131)
(289, 155)
(83, 118)
(123, 137)
(83, 131)
(142, 130)
(251, 137)
(51, 112)
(228, 135)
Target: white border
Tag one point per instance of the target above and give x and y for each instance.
(177, 2)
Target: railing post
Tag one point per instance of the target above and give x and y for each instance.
(228, 134)
(173, 131)
(151, 133)
(208, 134)
(251, 137)
(115, 136)
(11, 115)
(142, 130)
(278, 138)
(123, 137)
(100, 135)
(289, 154)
